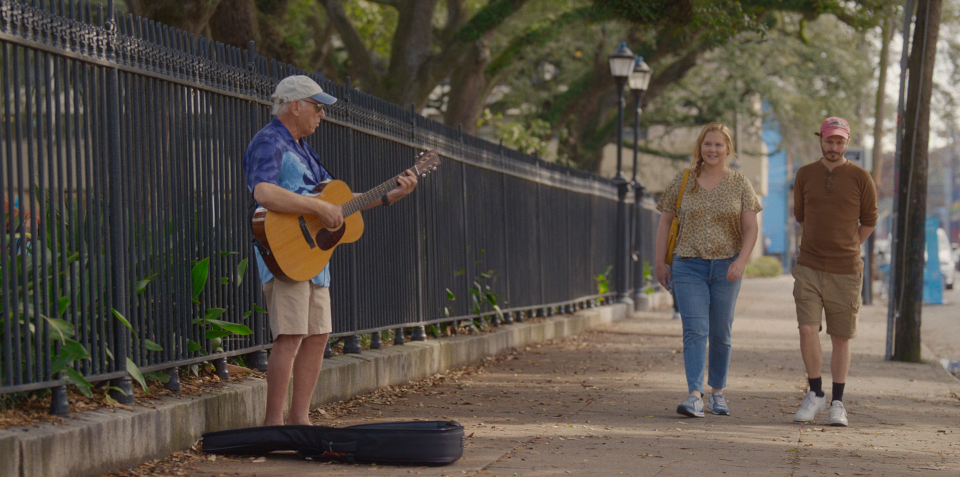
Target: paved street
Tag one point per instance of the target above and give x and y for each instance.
(604, 404)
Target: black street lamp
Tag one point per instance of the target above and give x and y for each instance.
(639, 81)
(621, 65)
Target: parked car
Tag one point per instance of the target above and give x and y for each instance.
(955, 247)
(948, 265)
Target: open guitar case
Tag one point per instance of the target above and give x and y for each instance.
(412, 443)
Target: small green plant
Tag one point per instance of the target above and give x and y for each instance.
(132, 367)
(483, 299)
(763, 267)
(649, 282)
(603, 281)
(215, 329)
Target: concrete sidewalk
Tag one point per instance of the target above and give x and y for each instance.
(604, 403)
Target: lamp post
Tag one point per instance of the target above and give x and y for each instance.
(621, 65)
(639, 81)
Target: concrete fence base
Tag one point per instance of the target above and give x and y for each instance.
(100, 442)
(658, 300)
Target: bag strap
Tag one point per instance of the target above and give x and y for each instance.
(683, 186)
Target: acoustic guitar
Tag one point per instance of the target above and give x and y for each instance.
(296, 247)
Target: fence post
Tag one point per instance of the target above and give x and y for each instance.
(622, 231)
(351, 344)
(123, 390)
(637, 256)
(507, 317)
(419, 333)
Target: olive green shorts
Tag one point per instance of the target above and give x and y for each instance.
(298, 308)
(834, 295)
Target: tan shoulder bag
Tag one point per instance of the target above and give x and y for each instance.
(675, 225)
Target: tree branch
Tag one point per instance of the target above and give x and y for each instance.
(489, 18)
(456, 15)
(513, 53)
(356, 48)
(675, 71)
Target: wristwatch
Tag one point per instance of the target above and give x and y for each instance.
(384, 201)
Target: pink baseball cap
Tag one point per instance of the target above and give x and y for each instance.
(834, 127)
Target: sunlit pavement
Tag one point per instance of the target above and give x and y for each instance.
(604, 404)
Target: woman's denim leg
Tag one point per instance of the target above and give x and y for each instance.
(707, 301)
(690, 282)
(723, 300)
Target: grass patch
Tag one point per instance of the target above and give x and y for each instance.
(764, 267)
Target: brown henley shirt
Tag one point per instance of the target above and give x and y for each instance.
(831, 206)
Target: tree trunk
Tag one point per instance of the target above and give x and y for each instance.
(189, 15)
(886, 35)
(913, 169)
(411, 52)
(469, 88)
(235, 23)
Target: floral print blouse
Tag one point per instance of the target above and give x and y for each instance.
(710, 219)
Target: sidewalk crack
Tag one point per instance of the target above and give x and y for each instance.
(508, 454)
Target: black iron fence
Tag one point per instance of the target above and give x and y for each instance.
(126, 242)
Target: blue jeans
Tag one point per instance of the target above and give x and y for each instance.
(706, 301)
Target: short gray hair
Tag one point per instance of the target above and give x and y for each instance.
(280, 108)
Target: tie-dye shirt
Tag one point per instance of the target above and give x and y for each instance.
(273, 156)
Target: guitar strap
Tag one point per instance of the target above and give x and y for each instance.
(252, 207)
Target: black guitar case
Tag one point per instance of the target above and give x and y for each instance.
(414, 442)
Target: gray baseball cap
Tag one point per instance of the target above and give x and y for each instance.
(293, 88)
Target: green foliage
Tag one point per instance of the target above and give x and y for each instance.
(538, 35)
(647, 12)
(720, 20)
(483, 298)
(159, 376)
(215, 329)
(523, 136)
(799, 83)
(488, 19)
(649, 281)
(765, 267)
(603, 280)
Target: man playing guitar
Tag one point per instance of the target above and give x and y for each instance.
(281, 168)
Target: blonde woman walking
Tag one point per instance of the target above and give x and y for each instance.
(718, 229)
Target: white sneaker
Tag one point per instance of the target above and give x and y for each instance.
(810, 406)
(838, 415)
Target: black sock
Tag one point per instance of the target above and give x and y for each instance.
(816, 385)
(838, 391)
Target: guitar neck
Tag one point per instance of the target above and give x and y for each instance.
(361, 201)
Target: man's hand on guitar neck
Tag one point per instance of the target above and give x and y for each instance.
(276, 198)
(405, 185)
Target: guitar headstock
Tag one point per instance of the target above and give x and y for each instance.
(427, 161)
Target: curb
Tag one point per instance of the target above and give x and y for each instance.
(100, 442)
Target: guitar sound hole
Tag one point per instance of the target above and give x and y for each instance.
(327, 239)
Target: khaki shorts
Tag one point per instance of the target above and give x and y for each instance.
(298, 308)
(837, 295)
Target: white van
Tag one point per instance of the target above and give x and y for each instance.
(945, 253)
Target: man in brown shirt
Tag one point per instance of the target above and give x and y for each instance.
(835, 201)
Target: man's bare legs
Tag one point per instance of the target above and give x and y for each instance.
(306, 370)
(813, 355)
(840, 359)
(810, 350)
(303, 356)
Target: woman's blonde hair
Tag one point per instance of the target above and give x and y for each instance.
(698, 159)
